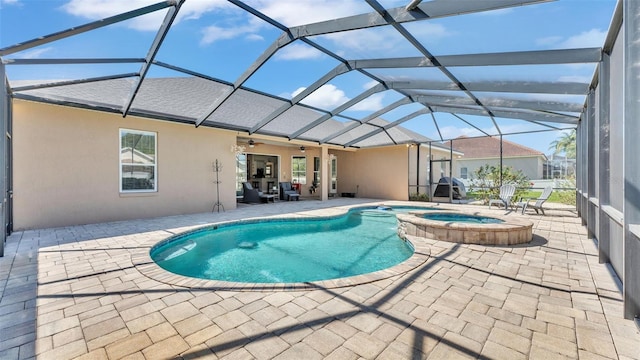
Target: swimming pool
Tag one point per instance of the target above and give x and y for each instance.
(363, 240)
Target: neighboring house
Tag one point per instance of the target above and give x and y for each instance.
(486, 150)
(154, 162)
(559, 167)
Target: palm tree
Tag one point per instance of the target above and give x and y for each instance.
(566, 144)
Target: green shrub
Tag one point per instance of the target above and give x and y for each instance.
(418, 197)
(486, 182)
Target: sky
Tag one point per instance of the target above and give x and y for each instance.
(216, 38)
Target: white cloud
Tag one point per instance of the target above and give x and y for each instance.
(288, 12)
(364, 42)
(10, 2)
(191, 10)
(372, 103)
(370, 84)
(100, 9)
(297, 12)
(34, 53)
(591, 38)
(213, 33)
(326, 97)
(586, 39)
(298, 52)
(329, 97)
(430, 31)
(254, 37)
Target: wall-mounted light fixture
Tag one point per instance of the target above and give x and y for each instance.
(251, 143)
(301, 148)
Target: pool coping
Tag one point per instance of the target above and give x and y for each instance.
(142, 261)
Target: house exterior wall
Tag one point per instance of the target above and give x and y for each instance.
(286, 154)
(66, 167)
(378, 173)
(532, 167)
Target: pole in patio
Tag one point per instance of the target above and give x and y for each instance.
(217, 168)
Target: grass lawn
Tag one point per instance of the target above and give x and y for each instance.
(562, 197)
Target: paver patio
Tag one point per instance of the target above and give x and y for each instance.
(76, 292)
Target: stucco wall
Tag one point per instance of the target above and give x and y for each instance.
(66, 168)
(379, 173)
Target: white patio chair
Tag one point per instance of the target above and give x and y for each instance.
(506, 193)
(539, 201)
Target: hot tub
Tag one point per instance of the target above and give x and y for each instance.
(506, 230)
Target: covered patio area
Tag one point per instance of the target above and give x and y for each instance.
(76, 292)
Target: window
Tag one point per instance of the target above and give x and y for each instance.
(138, 172)
(299, 169)
(463, 173)
(316, 172)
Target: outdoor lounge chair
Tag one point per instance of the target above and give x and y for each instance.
(251, 195)
(539, 201)
(287, 192)
(506, 193)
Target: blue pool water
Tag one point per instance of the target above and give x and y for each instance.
(462, 218)
(274, 251)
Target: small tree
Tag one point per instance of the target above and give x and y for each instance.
(566, 144)
(486, 182)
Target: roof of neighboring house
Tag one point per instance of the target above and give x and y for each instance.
(440, 146)
(488, 147)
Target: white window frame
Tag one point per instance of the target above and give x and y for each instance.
(121, 164)
(465, 174)
(304, 179)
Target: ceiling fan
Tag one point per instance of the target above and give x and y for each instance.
(252, 143)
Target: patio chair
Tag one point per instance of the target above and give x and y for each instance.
(251, 195)
(287, 192)
(506, 193)
(539, 201)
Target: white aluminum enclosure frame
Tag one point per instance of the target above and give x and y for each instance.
(453, 96)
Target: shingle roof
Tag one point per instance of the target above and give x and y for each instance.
(184, 98)
(488, 147)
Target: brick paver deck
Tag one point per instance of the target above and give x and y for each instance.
(76, 292)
